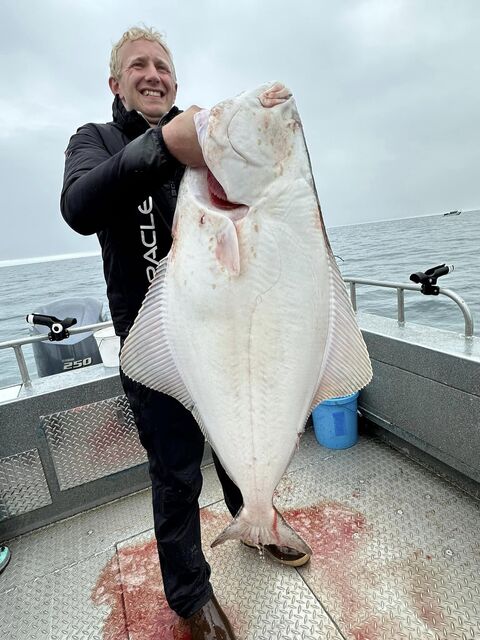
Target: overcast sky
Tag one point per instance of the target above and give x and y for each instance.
(388, 92)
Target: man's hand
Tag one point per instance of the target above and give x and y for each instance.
(180, 136)
(277, 94)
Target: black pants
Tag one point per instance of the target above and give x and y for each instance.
(174, 445)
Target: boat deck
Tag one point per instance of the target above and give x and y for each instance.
(396, 555)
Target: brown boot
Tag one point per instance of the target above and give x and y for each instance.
(286, 555)
(283, 555)
(210, 623)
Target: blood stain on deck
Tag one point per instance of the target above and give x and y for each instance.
(131, 585)
(336, 533)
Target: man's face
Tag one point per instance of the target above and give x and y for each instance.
(146, 81)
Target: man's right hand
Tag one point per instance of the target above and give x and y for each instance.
(180, 136)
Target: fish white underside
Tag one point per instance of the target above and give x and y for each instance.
(250, 353)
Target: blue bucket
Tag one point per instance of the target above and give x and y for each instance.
(335, 422)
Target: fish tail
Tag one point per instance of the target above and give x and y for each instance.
(278, 532)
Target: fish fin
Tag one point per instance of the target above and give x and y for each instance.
(278, 533)
(146, 356)
(227, 250)
(200, 422)
(346, 365)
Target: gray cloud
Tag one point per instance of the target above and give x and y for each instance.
(387, 91)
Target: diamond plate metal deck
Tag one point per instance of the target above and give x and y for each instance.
(60, 605)
(396, 548)
(264, 601)
(396, 555)
(23, 486)
(93, 441)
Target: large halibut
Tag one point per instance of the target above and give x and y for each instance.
(248, 322)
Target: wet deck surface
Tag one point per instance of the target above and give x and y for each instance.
(396, 555)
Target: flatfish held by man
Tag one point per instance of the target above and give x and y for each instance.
(248, 322)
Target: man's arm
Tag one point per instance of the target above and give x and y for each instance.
(97, 185)
(180, 137)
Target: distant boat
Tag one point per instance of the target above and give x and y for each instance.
(452, 213)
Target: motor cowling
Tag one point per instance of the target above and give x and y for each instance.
(63, 353)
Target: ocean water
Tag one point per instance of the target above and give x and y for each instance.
(393, 250)
(386, 250)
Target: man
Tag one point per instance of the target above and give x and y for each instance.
(121, 181)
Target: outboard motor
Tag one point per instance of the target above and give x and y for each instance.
(73, 352)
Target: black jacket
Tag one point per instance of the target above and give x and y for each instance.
(121, 183)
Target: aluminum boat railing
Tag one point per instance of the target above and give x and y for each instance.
(401, 287)
(17, 345)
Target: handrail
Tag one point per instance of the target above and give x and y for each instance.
(404, 286)
(17, 345)
(39, 338)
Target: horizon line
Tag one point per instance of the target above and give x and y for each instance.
(87, 254)
(61, 256)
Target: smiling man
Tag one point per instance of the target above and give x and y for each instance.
(144, 79)
(121, 181)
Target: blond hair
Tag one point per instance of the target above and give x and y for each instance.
(132, 34)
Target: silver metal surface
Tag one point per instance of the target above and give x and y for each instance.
(263, 601)
(401, 306)
(93, 441)
(17, 345)
(425, 389)
(68, 380)
(62, 544)
(396, 556)
(403, 286)
(61, 605)
(266, 601)
(396, 549)
(22, 366)
(446, 342)
(20, 342)
(23, 486)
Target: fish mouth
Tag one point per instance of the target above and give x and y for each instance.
(217, 194)
(210, 195)
(218, 199)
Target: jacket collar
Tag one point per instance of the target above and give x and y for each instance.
(133, 123)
